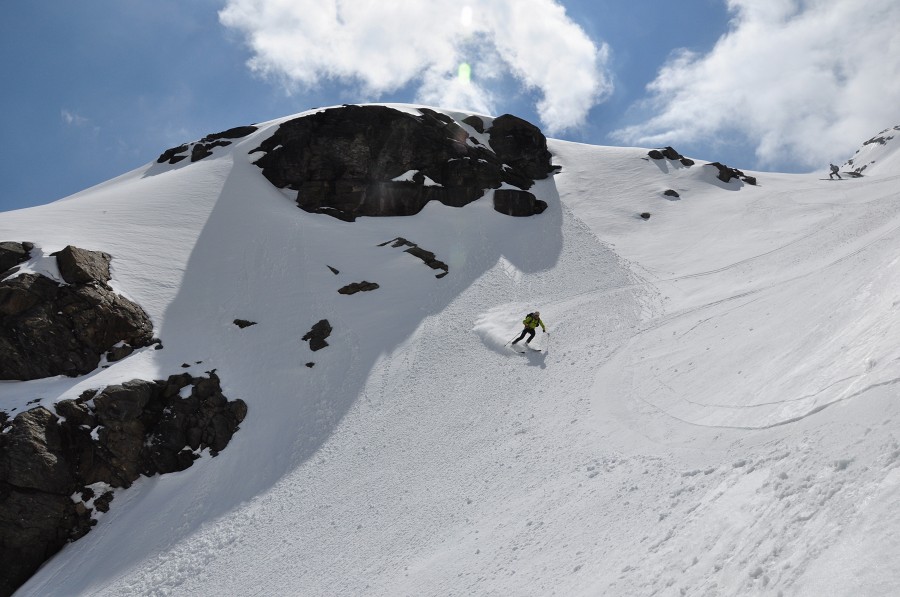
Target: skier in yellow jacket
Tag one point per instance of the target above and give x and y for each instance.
(531, 321)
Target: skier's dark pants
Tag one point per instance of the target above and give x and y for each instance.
(529, 331)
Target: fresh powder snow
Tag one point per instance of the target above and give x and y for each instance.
(713, 411)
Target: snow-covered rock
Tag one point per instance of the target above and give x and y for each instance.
(878, 154)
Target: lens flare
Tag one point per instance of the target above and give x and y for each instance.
(464, 73)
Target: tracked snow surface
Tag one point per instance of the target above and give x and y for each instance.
(714, 412)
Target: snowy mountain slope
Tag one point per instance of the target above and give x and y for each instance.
(878, 154)
(713, 414)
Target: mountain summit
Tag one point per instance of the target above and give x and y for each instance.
(275, 359)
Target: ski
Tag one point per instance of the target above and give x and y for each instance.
(526, 349)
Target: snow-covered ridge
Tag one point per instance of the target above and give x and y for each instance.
(878, 154)
(712, 413)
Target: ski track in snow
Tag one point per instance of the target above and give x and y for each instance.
(714, 412)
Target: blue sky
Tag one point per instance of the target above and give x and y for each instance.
(94, 89)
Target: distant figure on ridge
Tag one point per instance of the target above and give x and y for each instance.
(834, 170)
(531, 321)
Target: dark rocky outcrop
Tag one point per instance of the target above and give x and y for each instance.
(645, 215)
(416, 251)
(80, 266)
(880, 139)
(522, 146)
(344, 161)
(12, 254)
(317, 334)
(476, 122)
(89, 446)
(726, 174)
(50, 329)
(173, 155)
(355, 287)
(669, 153)
(671, 193)
(243, 323)
(203, 148)
(512, 202)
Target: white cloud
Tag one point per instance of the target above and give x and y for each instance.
(384, 46)
(803, 80)
(71, 118)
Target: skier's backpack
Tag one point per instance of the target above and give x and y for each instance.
(530, 320)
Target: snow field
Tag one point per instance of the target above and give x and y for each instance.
(714, 414)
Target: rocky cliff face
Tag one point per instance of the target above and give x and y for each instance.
(49, 328)
(57, 469)
(378, 161)
(59, 465)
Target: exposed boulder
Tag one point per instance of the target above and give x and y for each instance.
(517, 203)
(353, 161)
(203, 148)
(32, 454)
(355, 287)
(415, 250)
(101, 440)
(521, 145)
(12, 254)
(476, 122)
(237, 132)
(80, 266)
(33, 527)
(173, 154)
(671, 193)
(119, 352)
(669, 153)
(243, 323)
(726, 174)
(880, 139)
(50, 329)
(317, 334)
